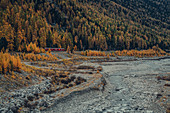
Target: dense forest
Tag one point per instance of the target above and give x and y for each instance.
(157, 9)
(84, 24)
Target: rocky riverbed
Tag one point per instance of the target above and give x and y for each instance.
(125, 85)
(132, 87)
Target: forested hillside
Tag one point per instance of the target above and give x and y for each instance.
(88, 24)
(158, 9)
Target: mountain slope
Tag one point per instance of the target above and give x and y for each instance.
(89, 24)
(158, 9)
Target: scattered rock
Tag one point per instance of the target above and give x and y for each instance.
(149, 111)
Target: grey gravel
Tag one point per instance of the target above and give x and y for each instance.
(131, 87)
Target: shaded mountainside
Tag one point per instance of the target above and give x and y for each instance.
(157, 9)
(88, 24)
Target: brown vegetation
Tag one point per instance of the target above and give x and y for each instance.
(33, 48)
(9, 63)
(38, 57)
(100, 68)
(85, 67)
(164, 78)
(68, 49)
(93, 53)
(155, 51)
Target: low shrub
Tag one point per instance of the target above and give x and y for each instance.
(32, 47)
(155, 51)
(93, 53)
(38, 57)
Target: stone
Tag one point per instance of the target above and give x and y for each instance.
(109, 111)
(116, 108)
(149, 111)
(126, 76)
(3, 110)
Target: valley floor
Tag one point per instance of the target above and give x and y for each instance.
(126, 84)
(132, 87)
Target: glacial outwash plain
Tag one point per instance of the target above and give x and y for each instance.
(77, 83)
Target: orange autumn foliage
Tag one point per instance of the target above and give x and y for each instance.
(68, 49)
(32, 47)
(9, 63)
(155, 51)
(38, 57)
(93, 53)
